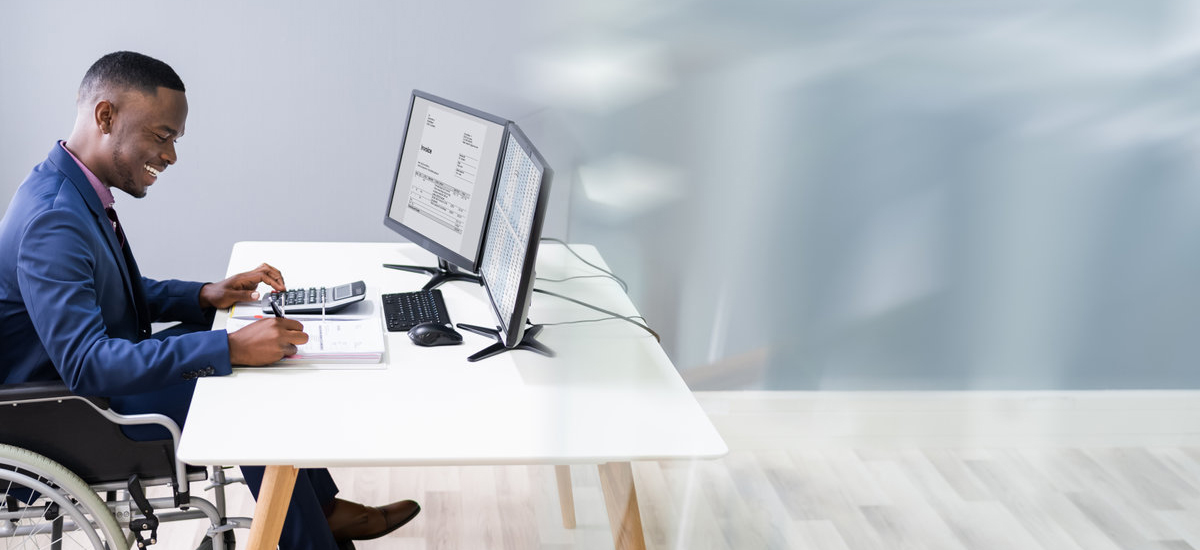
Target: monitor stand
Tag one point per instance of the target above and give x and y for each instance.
(528, 342)
(442, 273)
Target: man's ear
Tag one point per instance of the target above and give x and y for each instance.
(103, 115)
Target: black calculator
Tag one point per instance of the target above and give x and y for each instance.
(317, 299)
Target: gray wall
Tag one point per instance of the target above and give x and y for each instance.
(886, 195)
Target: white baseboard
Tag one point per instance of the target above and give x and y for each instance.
(764, 420)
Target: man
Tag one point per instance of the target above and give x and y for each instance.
(74, 306)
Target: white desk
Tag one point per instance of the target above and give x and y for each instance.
(610, 395)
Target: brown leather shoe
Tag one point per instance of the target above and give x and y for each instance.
(354, 521)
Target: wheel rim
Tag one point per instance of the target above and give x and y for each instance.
(66, 506)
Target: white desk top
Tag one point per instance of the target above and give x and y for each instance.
(611, 394)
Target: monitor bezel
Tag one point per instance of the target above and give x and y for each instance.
(418, 238)
(512, 329)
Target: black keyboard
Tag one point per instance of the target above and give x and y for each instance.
(404, 310)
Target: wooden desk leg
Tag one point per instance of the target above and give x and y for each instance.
(566, 496)
(624, 518)
(271, 508)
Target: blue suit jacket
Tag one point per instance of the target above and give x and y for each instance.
(72, 305)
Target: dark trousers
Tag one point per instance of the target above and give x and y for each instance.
(304, 527)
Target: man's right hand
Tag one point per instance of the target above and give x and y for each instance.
(265, 341)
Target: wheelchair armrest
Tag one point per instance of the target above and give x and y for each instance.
(37, 391)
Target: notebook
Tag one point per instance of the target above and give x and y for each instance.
(333, 342)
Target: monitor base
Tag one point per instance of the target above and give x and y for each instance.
(528, 342)
(444, 272)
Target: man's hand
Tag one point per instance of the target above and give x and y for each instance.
(265, 341)
(240, 287)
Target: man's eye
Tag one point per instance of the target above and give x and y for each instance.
(161, 139)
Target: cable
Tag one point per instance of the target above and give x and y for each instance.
(575, 277)
(602, 310)
(587, 321)
(608, 274)
(614, 276)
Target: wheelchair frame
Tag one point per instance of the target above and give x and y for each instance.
(69, 449)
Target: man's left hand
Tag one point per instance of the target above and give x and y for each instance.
(240, 288)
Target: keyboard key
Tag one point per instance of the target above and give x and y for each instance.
(404, 310)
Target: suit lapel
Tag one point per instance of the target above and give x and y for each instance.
(123, 257)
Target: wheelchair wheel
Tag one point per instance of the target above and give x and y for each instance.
(46, 506)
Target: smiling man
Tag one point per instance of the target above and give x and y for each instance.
(151, 120)
(75, 307)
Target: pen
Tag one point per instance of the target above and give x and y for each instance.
(275, 307)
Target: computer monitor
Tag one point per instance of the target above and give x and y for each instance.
(442, 189)
(510, 250)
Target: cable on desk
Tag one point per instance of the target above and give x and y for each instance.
(612, 275)
(602, 310)
(564, 279)
(581, 321)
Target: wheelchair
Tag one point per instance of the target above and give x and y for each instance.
(60, 452)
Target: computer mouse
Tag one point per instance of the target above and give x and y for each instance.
(434, 334)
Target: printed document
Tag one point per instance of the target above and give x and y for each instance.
(445, 176)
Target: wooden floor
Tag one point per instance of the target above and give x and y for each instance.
(881, 491)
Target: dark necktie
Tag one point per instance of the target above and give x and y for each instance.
(135, 276)
(112, 215)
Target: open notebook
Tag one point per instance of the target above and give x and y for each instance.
(333, 342)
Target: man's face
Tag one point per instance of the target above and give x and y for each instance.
(142, 138)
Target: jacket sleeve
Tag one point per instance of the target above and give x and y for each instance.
(174, 300)
(60, 267)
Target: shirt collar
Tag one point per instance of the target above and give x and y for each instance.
(102, 191)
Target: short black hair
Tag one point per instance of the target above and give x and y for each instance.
(129, 70)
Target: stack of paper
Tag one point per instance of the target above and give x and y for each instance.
(340, 342)
(334, 341)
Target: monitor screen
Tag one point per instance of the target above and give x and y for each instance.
(514, 230)
(442, 190)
